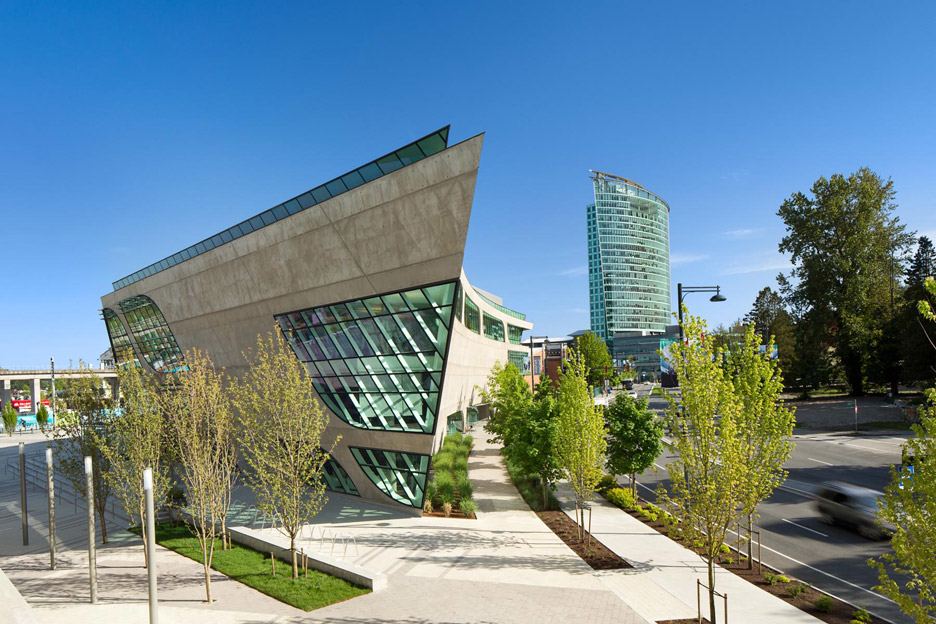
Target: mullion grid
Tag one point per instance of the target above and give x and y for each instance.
(151, 332)
(393, 470)
(387, 402)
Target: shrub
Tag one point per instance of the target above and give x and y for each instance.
(445, 486)
(460, 465)
(443, 461)
(824, 604)
(468, 442)
(723, 549)
(771, 578)
(783, 579)
(427, 504)
(447, 509)
(464, 487)
(797, 589)
(861, 616)
(650, 515)
(468, 507)
(606, 483)
(432, 490)
(621, 498)
(454, 438)
(460, 451)
(729, 560)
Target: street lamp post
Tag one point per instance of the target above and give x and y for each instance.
(682, 291)
(532, 339)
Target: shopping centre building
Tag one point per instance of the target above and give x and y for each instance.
(363, 275)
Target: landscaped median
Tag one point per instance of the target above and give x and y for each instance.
(255, 569)
(801, 595)
(450, 492)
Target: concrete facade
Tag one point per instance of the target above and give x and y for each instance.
(403, 230)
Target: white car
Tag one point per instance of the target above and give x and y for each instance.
(632, 394)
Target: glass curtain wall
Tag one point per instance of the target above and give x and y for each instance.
(401, 476)
(121, 345)
(152, 335)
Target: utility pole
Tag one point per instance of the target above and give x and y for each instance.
(52, 361)
(92, 559)
(150, 545)
(51, 489)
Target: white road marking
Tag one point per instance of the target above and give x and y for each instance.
(804, 527)
(659, 466)
(841, 580)
(870, 448)
(820, 461)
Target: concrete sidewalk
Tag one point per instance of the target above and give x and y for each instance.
(663, 583)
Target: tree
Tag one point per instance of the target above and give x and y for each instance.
(919, 364)
(765, 425)
(281, 425)
(508, 394)
(10, 418)
(848, 251)
(596, 358)
(84, 433)
(201, 431)
(135, 442)
(635, 437)
(42, 417)
(706, 436)
(773, 322)
(580, 436)
(908, 576)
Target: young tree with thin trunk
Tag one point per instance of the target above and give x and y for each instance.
(10, 418)
(135, 442)
(764, 423)
(42, 417)
(636, 437)
(84, 433)
(202, 432)
(708, 472)
(580, 436)
(281, 425)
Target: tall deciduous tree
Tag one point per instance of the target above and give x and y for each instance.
(706, 432)
(765, 425)
(281, 427)
(84, 433)
(848, 250)
(596, 358)
(773, 322)
(919, 364)
(508, 395)
(202, 433)
(635, 437)
(136, 441)
(580, 436)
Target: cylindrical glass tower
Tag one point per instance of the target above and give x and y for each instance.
(628, 258)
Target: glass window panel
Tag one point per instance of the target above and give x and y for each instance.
(226, 236)
(356, 366)
(393, 364)
(340, 312)
(320, 194)
(357, 337)
(336, 187)
(292, 207)
(458, 302)
(376, 306)
(389, 163)
(493, 328)
(432, 144)
(352, 180)
(373, 365)
(216, 240)
(410, 154)
(321, 337)
(404, 383)
(441, 294)
(280, 212)
(395, 303)
(400, 343)
(472, 316)
(306, 200)
(339, 338)
(256, 222)
(375, 336)
(416, 332)
(351, 384)
(358, 309)
(296, 319)
(324, 368)
(413, 363)
(370, 172)
(199, 249)
(341, 367)
(267, 217)
(325, 315)
(416, 299)
(367, 383)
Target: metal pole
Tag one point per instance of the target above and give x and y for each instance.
(679, 306)
(150, 546)
(532, 382)
(25, 512)
(92, 559)
(52, 361)
(51, 488)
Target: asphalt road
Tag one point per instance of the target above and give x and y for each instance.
(794, 538)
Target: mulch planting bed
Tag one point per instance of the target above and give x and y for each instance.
(455, 514)
(683, 621)
(596, 554)
(841, 612)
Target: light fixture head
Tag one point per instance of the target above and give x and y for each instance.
(717, 297)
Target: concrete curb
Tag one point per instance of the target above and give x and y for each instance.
(14, 604)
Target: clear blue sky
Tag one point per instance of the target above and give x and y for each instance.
(130, 131)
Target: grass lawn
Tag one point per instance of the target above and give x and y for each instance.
(253, 569)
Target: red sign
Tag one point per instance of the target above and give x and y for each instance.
(23, 406)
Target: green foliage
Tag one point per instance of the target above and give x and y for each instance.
(432, 492)
(636, 436)
(605, 483)
(774, 323)
(253, 569)
(42, 417)
(509, 396)
(468, 507)
(595, 357)
(724, 549)
(443, 461)
(861, 616)
(657, 391)
(796, 589)
(10, 418)
(464, 486)
(848, 250)
(445, 486)
(824, 604)
(460, 465)
(580, 442)
(728, 560)
(467, 442)
(621, 498)
(427, 504)
(908, 576)
(771, 578)
(532, 490)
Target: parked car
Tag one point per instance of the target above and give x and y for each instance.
(852, 506)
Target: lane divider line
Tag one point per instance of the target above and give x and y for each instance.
(804, 527)
(820, 461)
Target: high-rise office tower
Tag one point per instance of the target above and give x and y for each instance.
(628, 258)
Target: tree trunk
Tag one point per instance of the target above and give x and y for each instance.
(545, 496)
(143, 537)
(633, 479)
(711, 582)
(750, 542)
(100, 509)
(207, 581)
(295, 562)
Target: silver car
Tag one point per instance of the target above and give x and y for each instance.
(853, 506)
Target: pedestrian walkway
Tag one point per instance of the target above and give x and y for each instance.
(662, 585)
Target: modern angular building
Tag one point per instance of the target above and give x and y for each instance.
(363, 275)
(628, 259)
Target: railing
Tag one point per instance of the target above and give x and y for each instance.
(699, 586)
(497, 306)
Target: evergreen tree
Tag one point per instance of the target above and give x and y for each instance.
(596, 358)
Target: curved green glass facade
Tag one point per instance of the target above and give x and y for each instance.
(628, 258)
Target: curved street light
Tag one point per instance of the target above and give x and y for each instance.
(682, 291)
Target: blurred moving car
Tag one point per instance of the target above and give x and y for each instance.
(632, 394)
(853, 506)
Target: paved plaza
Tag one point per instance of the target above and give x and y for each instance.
(506, 566)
